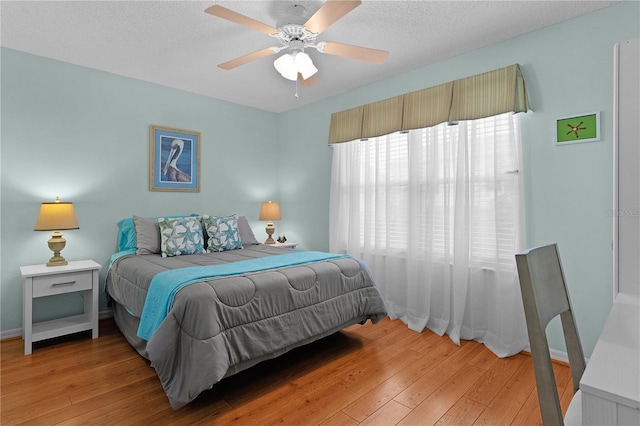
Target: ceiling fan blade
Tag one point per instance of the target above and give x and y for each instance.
(230, 15)
(311, 81)
(234, 63)
(355, 52)
(329, 13)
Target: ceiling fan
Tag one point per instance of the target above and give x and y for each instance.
(296, 33)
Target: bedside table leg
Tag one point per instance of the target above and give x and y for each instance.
(91, 305)
(27, 311)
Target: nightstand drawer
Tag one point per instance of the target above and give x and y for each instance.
(62, 283)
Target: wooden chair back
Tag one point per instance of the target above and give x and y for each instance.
(545, 296)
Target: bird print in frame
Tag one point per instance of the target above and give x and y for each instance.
(174, 159)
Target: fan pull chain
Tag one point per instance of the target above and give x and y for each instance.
(296, 94)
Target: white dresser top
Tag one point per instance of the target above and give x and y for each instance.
(613, 372)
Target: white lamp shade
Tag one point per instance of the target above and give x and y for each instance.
(289, 66)
(305, 65)
(286, 66)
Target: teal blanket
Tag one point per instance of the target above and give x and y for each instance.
(165, 285)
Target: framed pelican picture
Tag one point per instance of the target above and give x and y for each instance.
(174, 159)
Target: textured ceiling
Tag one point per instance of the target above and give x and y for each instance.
(175, 44)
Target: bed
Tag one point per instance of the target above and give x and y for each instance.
(211, 311)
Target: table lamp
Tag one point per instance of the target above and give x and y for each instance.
(270, 211)
(56, 216)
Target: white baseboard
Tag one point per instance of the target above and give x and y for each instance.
(556, 355)
(8, 334)
(105, 314)
(559, 355)
(17, 332)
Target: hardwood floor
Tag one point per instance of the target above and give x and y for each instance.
(383, 374)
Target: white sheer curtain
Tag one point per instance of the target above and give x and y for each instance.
(437, 215)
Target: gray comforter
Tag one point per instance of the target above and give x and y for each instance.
(219, 326)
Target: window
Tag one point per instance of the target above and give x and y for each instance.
(408, 186)
(437, 215)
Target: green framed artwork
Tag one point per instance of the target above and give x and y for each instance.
(578, 128)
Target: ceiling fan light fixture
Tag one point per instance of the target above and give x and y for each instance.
(305, 66)
(296, 33)
(286, 66)
(289, 66)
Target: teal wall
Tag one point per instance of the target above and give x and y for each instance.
(568, 68)
(94, 127)
(83, 135)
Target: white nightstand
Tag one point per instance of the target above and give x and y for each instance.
(42, 281)
(286, 245)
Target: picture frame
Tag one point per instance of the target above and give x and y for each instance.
(174, 159)
(577, 128)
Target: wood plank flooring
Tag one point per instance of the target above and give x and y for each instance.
(383, 374)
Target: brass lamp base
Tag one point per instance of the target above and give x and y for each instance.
(56, 244)
(270, 230)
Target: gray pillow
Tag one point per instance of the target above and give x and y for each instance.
(246, 233)
(147, 235)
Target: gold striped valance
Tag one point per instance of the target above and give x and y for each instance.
(346, 125)
(382, 117)
(487, 94)
(479, 96)
(427, 107)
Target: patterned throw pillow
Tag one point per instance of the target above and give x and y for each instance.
(222, 232)
(180, 235)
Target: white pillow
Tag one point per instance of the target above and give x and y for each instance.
(222, 232)
(180, 235)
